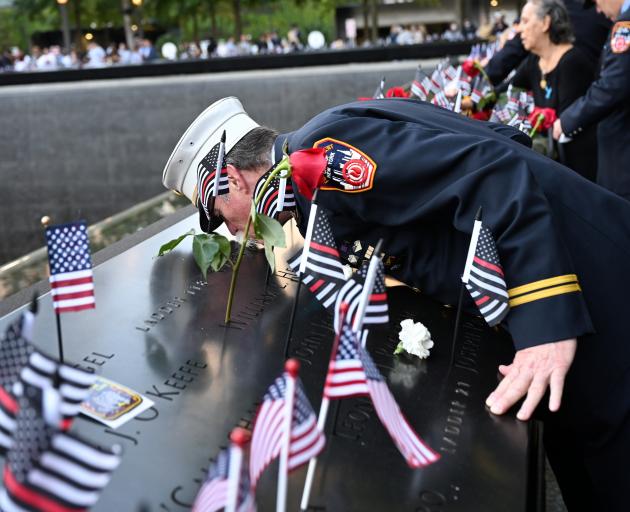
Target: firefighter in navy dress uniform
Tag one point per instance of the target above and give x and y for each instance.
(415, 175)
(607, 104)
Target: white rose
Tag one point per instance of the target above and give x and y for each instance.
(414, 338)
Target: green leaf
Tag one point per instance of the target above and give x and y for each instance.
(399, 349)
(205, 250)
(269, 230)
(169, 246)
(270, 257)
(224, 245)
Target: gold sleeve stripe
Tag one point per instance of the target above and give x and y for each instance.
(543, 294)
(544, 283)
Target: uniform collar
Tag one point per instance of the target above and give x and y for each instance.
(625, 7)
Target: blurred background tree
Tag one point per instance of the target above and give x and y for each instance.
(183, 20)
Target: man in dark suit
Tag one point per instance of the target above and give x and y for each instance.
(607, 104)
(415, 175)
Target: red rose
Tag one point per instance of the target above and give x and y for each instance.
(397, 92)
(482, 115)
(471, 68)
(307, 170)
(549, 116)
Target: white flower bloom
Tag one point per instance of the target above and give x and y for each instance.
(414, 338)
(347, 271)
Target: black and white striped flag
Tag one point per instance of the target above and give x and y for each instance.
(484, 277)
(278, 197)
(21, 363)
(322, 270)
(50, 470)
(208, 183)
(376, 311)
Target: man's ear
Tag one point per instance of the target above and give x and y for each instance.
(236, 179)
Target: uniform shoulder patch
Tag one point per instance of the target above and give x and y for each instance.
(620, 39)
(348, 169)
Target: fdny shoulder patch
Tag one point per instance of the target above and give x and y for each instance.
(620, 40)
(348, 169)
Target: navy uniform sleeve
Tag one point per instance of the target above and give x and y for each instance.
(445, 167)
(609, 91)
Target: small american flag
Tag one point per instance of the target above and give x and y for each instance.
(206, 172)
(21, 363)
(449, 73)
(484, 276)
(376, 311)
(437, 82)
(420, 85)
(213, 494)
(71, 282)
(269, 204)
(324, 272)
(441, 100)
(306, 440)
(49, 470)
(352, 372)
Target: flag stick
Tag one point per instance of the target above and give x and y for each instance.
(292, 367)
(467, 267)
(321, 419)
(45, 221)
(287, 341)
(59, 338)
(457, 317)
(307, 241)
(458, 102)
(239, 437)
(219, 167)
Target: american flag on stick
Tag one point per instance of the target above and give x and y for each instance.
(71, 282)
(352, 372)
(322, 272)
(421, 84)
(49, 470)
(484, 277)
(214, 492)
(441, 100)
(307, 440)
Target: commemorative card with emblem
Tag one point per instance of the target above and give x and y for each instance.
(113, 404)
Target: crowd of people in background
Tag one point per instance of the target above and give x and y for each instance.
(144, 51)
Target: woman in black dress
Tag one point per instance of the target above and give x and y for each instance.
(557, 73)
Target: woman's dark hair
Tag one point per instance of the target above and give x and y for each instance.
(560, 30)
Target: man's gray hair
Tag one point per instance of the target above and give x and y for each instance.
(253, 151)
(560, 29)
